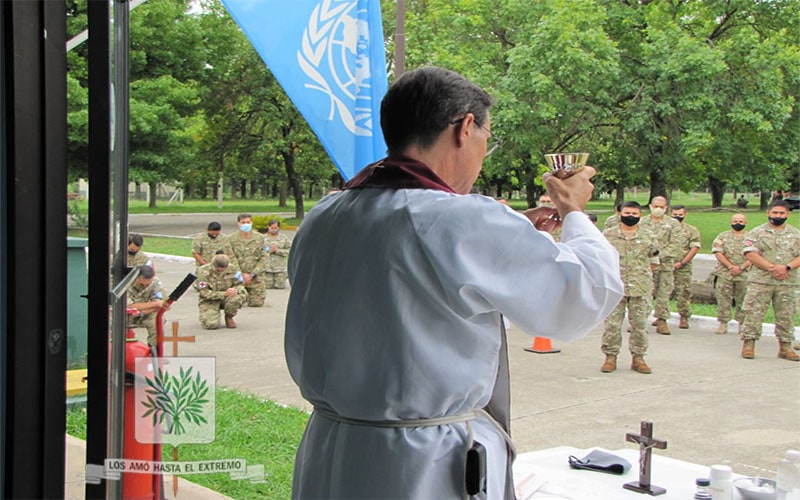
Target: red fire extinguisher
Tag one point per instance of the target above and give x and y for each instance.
(138, 486)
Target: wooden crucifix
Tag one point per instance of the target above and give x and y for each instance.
(646, 444)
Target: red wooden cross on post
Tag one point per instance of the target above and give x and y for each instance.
(175, 339)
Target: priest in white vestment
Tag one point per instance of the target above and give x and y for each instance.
(399, 287)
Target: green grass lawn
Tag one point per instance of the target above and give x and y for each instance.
(247, 427)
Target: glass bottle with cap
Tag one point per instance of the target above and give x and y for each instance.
(788, 484)
(702, 492)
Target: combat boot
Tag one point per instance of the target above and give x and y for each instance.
(610, 365)
(797, 345)
(638, 365)
(661, 327)
(684, 323)
(786, 352)
(722, 329)
(749, 349)
(229, 322)
(655, 322)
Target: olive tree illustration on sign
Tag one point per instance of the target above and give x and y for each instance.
(180, 398)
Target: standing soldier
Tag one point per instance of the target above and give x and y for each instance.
(687, 241)
(731, 273)
(205, 245)
(220, 286)
(145, 299)
(665, 229)
(638, 256)
(613, 219)
(774, 250)
(278, 246)
(247, 252)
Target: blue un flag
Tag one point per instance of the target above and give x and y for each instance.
(328, 56)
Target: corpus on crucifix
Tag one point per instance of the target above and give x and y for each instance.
(646, 444)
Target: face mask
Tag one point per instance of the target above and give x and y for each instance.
(658, 211)
(274, 231)
(245, 228)
(133, 252)
(679, 219)
(629, 220)
(777, 221)
(213, 236)
(737, 227)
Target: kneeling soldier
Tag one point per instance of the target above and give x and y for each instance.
(220, 287)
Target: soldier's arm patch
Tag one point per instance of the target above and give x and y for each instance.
(202, 285)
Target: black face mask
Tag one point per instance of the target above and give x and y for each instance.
(629, 220)
(777, 221)
(737, 227)
(679, 219)
(212, 236)
(133, 252)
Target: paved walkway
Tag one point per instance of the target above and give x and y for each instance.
(710, 405)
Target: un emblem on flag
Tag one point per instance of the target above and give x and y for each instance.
(335, 56)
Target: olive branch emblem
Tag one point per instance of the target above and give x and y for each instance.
(314, 46)
(181, 398)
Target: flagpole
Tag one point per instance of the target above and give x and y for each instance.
(400, 40)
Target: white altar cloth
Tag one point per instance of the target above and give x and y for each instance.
(546, 474)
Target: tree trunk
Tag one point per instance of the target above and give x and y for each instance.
(658, 187)
(717, 188)
(294, 182)
(766, 197)
(234, 193)
(619, 197)
(243, 188)
(153, 192)
(218, 191)
(283, 193)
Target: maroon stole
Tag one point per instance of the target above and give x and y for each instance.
(398, 173)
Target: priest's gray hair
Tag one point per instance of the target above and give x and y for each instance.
(424, 102)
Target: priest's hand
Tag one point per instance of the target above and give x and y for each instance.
(543, 218)
(572, 193)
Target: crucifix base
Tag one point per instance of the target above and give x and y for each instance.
(649, 489)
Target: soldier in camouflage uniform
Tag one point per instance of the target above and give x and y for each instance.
(205, 245)
(731, 273)
(248, 253)
(145, 299)
(774, 251)
(613, 219)
(135, 255)
(664, 228)
(278, 246)
(220, 286)
(687, 241)
(638, 255)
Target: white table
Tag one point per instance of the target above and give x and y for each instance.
(546, 474)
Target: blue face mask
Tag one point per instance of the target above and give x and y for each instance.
(246, 228)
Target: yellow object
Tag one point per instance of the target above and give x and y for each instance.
(76, 382)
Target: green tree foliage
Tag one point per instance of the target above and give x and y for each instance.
(668, 94)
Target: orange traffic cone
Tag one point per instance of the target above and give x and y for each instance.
(542, 345)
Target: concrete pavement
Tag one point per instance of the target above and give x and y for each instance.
(709, 404)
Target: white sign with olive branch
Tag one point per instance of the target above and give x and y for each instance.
(175, 400)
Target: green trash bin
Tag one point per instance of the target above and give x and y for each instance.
(77, 304)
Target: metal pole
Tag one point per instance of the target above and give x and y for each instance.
(119, 155)
(400, 40)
